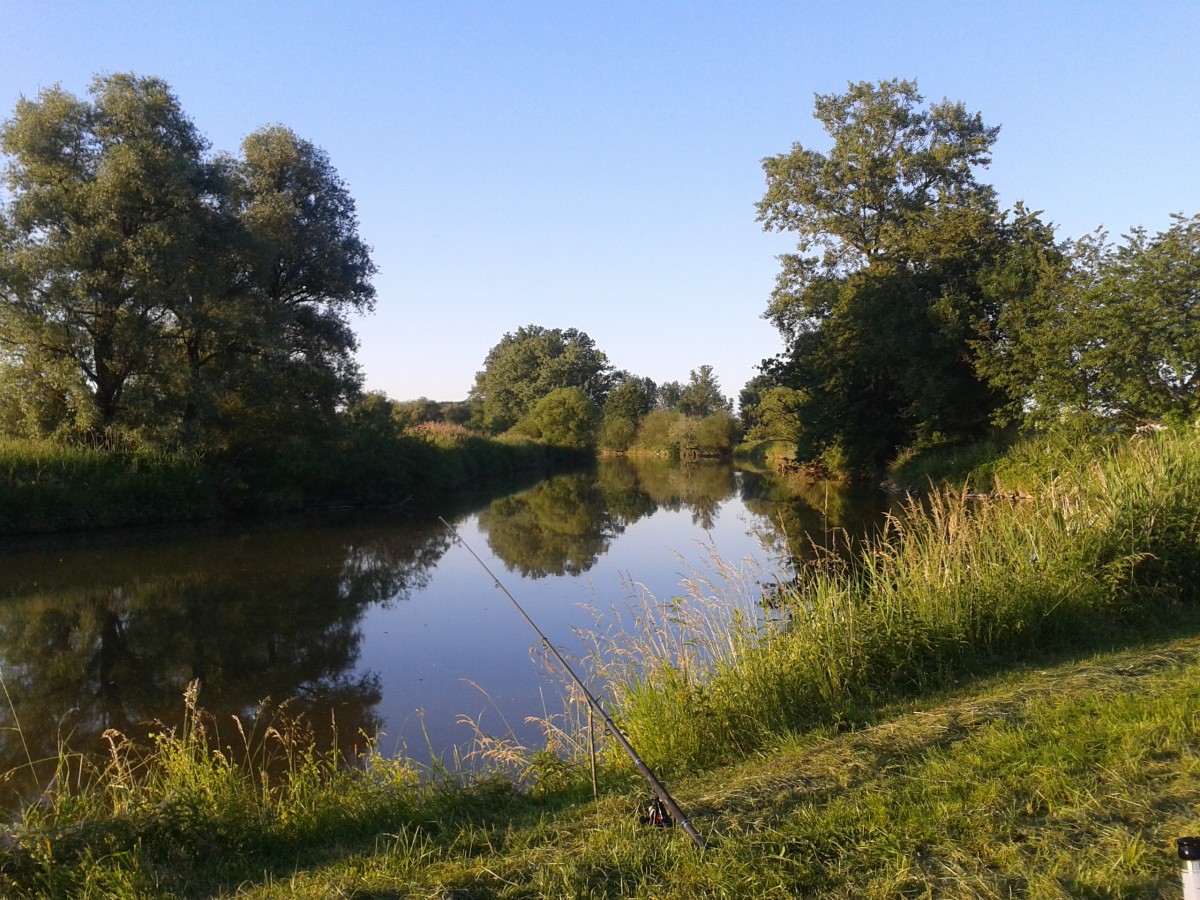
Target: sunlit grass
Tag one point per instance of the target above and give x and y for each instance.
(955, 586)
(195, 806)
(1068, 781)
(891, 726)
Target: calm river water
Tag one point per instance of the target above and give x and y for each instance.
(380, 623)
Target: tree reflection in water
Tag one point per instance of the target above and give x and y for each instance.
(565, 524)
(106, 631)
(110, 637)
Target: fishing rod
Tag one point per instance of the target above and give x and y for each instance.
(660, 791)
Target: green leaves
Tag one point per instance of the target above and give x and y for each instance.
(528, 364)
(1108, 333)
(889, 159)
(880, 328)
(153, 292)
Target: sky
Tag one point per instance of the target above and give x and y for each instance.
(595, 165)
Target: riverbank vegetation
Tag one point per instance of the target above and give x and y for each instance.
(555, 386)
(174, 345)
(916, 313)
(913, 718)
(47, 486)
(1083, 549)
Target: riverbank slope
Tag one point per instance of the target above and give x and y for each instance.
(1068, 780)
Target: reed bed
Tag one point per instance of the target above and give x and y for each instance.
(50, 487)
(955, 586)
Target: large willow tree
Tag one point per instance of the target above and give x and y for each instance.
(154, 291)
(887, 297)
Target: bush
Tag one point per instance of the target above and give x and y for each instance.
(565, 417)
(654, 436)
(617, 433)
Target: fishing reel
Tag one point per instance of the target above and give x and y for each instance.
(655, 812)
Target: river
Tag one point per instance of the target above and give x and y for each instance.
(379, 623)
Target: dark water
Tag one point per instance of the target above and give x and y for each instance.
(380, 623)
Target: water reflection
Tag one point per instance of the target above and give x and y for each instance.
(805, 519)
(373, 624)
(560, 527)
(565, 524)
(109, 637)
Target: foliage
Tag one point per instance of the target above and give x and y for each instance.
(751, 395)
(668, 395)
(314, 271)
(616, 433)
(408, 413)
(775, 416)
(627, 404)
(631, 399)
(972, 464)
(364, 461)
(152, 292)
(702, 396)
(890, 161)
(1109, 333)
(674, 433)
(881, 328)
(718, 433)
(654, 435)
(528, 364)
(565, 417)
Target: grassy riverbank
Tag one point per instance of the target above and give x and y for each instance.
(1064, 781)
(1102, 544)
(996, 700)
(47, 487)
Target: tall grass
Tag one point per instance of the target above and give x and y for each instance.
(203, 806)
(47, 487)
(54, 487)
(955, 584)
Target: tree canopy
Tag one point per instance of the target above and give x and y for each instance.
(151, 289)
(528, 364)
(702, 396)
(881, 328)
(1109, 332)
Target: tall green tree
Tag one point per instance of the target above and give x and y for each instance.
(702, 396)
(627, 404)
(528, 364)
(669, 393)
(882, 304)
(312, 271)
(149, 289)
(110, 201)
(631, 399)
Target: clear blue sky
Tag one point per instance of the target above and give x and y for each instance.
(595, 164)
